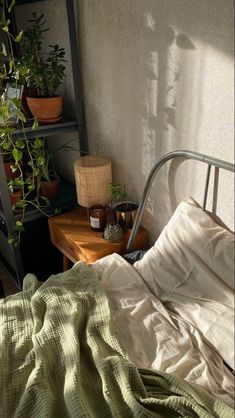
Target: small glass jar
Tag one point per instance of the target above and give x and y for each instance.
(97, 217)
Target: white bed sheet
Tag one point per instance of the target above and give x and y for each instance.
(157, 338)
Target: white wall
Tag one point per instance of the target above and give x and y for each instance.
(149, 90)
(158, 76)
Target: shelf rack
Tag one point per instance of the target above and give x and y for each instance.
(11, 257)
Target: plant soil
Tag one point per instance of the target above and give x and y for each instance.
(125, 207)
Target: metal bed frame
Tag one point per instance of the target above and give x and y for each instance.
(186, 154)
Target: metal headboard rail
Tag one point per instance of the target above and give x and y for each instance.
(182, 154)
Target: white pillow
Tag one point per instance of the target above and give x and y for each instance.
(191, 269)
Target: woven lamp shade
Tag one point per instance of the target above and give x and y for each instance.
(92, 176)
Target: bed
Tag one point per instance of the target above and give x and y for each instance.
(114, 339)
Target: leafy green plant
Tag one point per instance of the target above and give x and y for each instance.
(44, 73)
(124, 209)
(118, 192)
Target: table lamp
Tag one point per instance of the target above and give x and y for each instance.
(92, 176)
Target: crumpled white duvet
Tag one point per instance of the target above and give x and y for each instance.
(191, 268)
(156, 337)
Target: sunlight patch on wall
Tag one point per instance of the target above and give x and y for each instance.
(189, 105)
(165, 44)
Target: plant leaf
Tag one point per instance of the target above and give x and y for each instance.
(35, 124)
(11, 240)
(21, 204)
(12, 4)
(38, 143)
(20, 143)
(4, 51)
(17, 154)
(46, 200)
(19, 226)
(31, 187)
(18, 37)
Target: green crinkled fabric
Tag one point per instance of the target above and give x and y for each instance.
(59, 358)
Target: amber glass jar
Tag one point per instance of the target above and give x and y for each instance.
(97, 217)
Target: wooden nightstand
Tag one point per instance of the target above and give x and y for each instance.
(73, 236)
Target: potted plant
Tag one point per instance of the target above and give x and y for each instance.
(44, 73)
(47, 175)
(43, 169)
(125, 209)
(6, 150)
(15, 187)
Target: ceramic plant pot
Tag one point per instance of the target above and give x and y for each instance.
(46, 109)
(50, 189)
(8, 171)
(24, 104)
(15, 197)
(125, 213)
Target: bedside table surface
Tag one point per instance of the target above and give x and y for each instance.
(72, 235)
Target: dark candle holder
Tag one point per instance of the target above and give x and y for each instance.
(97, 217)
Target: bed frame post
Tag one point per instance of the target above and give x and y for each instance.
(206, 186)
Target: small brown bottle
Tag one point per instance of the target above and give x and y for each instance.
(97, 217)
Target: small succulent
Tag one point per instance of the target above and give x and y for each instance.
(113, 233)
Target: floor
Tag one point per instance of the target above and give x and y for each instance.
(9, 288)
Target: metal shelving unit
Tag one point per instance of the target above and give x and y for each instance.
(13, 257)
(67, 124)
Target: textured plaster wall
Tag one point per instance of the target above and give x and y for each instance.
(158, 76)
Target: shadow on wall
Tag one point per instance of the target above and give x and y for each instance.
(162, 74)
(213, 182)
(156, 78)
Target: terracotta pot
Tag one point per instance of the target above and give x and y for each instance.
(15, 197)
(25, 108)
(46, 109)
(50, 189)
(9, 173)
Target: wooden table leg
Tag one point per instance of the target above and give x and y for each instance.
(66, 263)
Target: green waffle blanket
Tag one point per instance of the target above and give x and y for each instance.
(60, 358)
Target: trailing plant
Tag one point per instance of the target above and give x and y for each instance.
(44, 73)
(8, 67)
(27, 184)
(11, 149)
(43, 160)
